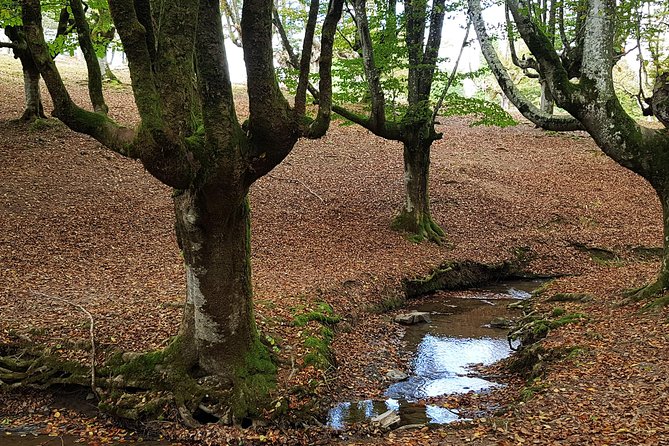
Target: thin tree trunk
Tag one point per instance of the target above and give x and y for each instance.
(415, 217)
(547, 102)
(105, 70)
(34, 108)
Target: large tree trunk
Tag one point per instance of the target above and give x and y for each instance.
(415, 217)
(34, 109)
(219, 335)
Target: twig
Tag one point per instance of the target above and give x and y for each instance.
(292, 367)
(91, 327)
(295, 180)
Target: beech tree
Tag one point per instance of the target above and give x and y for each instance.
(190, 138)
(592, 99)
(421, 27)
(541, 117)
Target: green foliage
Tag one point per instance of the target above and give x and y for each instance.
(10, 13)
(486, 112)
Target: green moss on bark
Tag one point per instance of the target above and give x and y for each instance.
(254, 379)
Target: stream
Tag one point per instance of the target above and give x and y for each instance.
(458, 336)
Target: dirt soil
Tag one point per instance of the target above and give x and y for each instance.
(85, 225)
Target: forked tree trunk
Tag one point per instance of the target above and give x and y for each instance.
(218, 332)
(415, 217)
(34, 109)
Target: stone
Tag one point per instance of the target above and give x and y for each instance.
(500, 322)
(386, 420)
(415, 317)
(396, 375)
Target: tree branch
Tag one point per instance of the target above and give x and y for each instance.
(11, 45)
(454, 72)
(378, 114)
(389, 131)
(272, 128)
(222, 128)
(322, 122)
(429, 63)
(293, 60)
(536, 116)
(549, 61)
(86, 45)
(305, 62)
(100, 127)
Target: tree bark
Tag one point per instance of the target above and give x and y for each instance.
(34, 108)
(105, 70)
(31, 76)
(415, 217)
(218, 331)
(524, 106)
(547, 103)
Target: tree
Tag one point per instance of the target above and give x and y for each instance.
(592, 99)
(103, 33)
(538, 116)
(415, 128)
(190, 139)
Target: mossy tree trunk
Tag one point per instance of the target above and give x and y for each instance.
(416, 130)
(190, 139)
(415, 217)
(34, 108)
(547, 103)
(105, 70)
(214, 235)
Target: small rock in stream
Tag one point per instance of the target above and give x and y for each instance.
(500, 322)
(415, 317)
(386, 420)
(396, 375)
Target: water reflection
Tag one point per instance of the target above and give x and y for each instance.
(458, 336)
(348, 413)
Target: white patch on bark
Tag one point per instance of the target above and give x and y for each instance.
(408, 177)
(32, 93)
(206, 329)
(596, 51)
(233, 322)
(191, 215)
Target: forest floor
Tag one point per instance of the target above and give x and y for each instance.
(91, 228)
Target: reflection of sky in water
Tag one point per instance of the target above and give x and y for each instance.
(347, 412)
(445, 349)
(437, 355)
(441, 363)
(441, 415)
(519, 294)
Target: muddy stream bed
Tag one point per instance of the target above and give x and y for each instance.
(458, 336)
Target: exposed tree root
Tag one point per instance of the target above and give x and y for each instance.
(649, 291)
(420, 227)
(131, 386)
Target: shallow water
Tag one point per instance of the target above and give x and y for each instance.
(458, 336)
